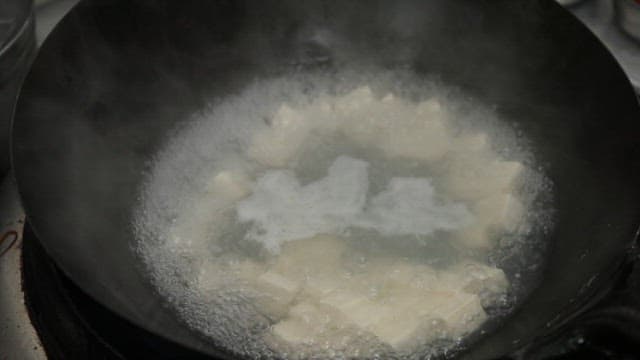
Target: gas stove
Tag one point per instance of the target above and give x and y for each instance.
(45, 316)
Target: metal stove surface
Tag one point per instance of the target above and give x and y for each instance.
(18, 338)
(20, 341)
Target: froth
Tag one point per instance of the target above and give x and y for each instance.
(234, 177)
(281, 210)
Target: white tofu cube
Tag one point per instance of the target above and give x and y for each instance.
(422, 139)
(418, 317)
(356, 308)
(498, 211)
(277, 145)
(296, 331)
(462, 314)
(308, 323)
(320, 254)
(471, 143)
(487, 282)
(273, 293)
(354, 101)
(231, 186)
(429, 107)
(476, 178)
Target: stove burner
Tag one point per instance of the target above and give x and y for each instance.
(71, 325)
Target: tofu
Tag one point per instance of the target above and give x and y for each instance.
(320, 254)
(425, 139)
(462, 314)
(277, 145)
(499, 211)
(210, 277)
(308, 323)
(504, 210)
(357, 308)
(471, 143)
(405, 333)
(475, 178)
(419, 317)
(420, 305)
(397, 275)
(296, 331)
(355, 101)
(273, 294)
(229, 185)
(487, 282)
(318, 285)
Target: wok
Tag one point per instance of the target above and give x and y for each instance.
(115, 77)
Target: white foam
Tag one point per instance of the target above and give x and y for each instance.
(281, 210)
(408, 133)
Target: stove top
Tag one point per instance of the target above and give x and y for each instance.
(45, 316)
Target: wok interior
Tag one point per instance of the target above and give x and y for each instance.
(115, 80)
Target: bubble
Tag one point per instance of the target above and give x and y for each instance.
(189, 236)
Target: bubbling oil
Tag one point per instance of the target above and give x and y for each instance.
(281, 222)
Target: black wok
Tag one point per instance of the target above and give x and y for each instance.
(115, 77)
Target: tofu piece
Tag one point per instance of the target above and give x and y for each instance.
(488, 282)
(475, 178)
(297, 330)
(418, 317)
(472, 143)
(308, 323)
(394, 276)
(405, 333)
(425, 139)
(504, 210)
(210, 277)
(213, 275)
(355, 101)
(277, 145)
(498, 211)
(273, 294)
(320, 254)
(317, 285)
(357, 308)
(229, 185)
(462, 314)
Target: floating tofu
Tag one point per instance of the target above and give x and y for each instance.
(413, 318)
(357, 308)
(304, 327)
(314, 262)
(278, 144)
(462, 313)
(274, 293)
(504, 210)
(354, 101)
(475, 178)
(488, 282)
(211, 276)
(471, 143)
(320, 254)
(320, 284)
(230, 185)
(308, 323)
(498, 211)
(429, 107)
(422, 139)
(393, 275)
